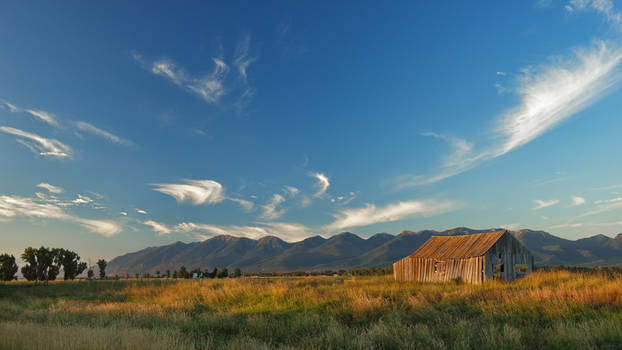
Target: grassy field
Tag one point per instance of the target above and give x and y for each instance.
(557, 310)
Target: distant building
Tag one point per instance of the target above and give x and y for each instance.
(472, 258)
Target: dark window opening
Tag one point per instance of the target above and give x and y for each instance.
(520, 268)
(497, 268)
(436, 267)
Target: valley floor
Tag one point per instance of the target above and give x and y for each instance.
(559, 309)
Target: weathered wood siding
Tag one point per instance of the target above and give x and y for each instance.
(434, 270)
(507, 250)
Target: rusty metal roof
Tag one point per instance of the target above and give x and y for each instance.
(456, 247)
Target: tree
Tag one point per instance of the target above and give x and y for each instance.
(214, 273)
(8, 267)
(168, 273)
(70, 262)
(175, 274)
(183, 273)
(90, 274)
(223, 273)
(157, 274)
(237, 272)
(39, 264)
(101, 263)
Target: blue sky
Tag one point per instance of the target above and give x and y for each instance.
(124, 126)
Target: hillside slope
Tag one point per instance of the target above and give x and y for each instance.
(347, 250)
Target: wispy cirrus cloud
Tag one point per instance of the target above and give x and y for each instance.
(200, 192)
(370, 214)
(12, 108)
(158, 227)
(322, 183)
(544, 203)
(214, 86)
(38, 144)
(90, 128)
(246, 205)
(283, 230)
(210, 87)
(51, 188)
(603, 7)
(47, 117)
(195, 191)
(270, 210)
(13, 206)
(81, 199)
(604, 207)
(549, 94)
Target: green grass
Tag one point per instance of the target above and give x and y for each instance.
(554, 310)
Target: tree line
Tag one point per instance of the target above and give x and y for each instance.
(44, 264)
(371, 271)
(197, 272)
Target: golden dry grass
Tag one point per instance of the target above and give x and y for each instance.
(557, 309)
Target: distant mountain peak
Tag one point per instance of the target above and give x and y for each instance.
(348, 250)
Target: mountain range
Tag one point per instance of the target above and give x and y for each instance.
(347, 250)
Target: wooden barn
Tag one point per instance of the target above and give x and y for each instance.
(473, 258)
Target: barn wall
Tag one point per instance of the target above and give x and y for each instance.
(509, 252)
(435, 270)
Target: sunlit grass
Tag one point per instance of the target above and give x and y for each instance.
(558, 309)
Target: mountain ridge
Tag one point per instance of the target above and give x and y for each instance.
(348, 250)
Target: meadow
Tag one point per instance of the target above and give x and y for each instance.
(555, 310)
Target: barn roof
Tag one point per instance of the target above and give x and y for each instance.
(456, 247)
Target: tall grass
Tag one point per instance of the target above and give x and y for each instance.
(557, 309)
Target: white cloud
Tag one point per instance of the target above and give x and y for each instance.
(159, 228)
(286, 231)
(270, 209)
(370, 214)
(459, 149)
(549, 94)
(86, 127)
(242, 61)
(601, 201)
(511, 227)
(140, 211)
(168, 70)
(291, 191)
(12, 206)
(246, 205)
(82, 200)
(604, 7)
(606, 188)
(322, 182)
(217, 84)
(543, 203)
(12, 108)
(209, 87)
(43, 115)
(43, 146)
(577, 201)
(602, 208)
(569, 225)
(196, 191)
(50, 188)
